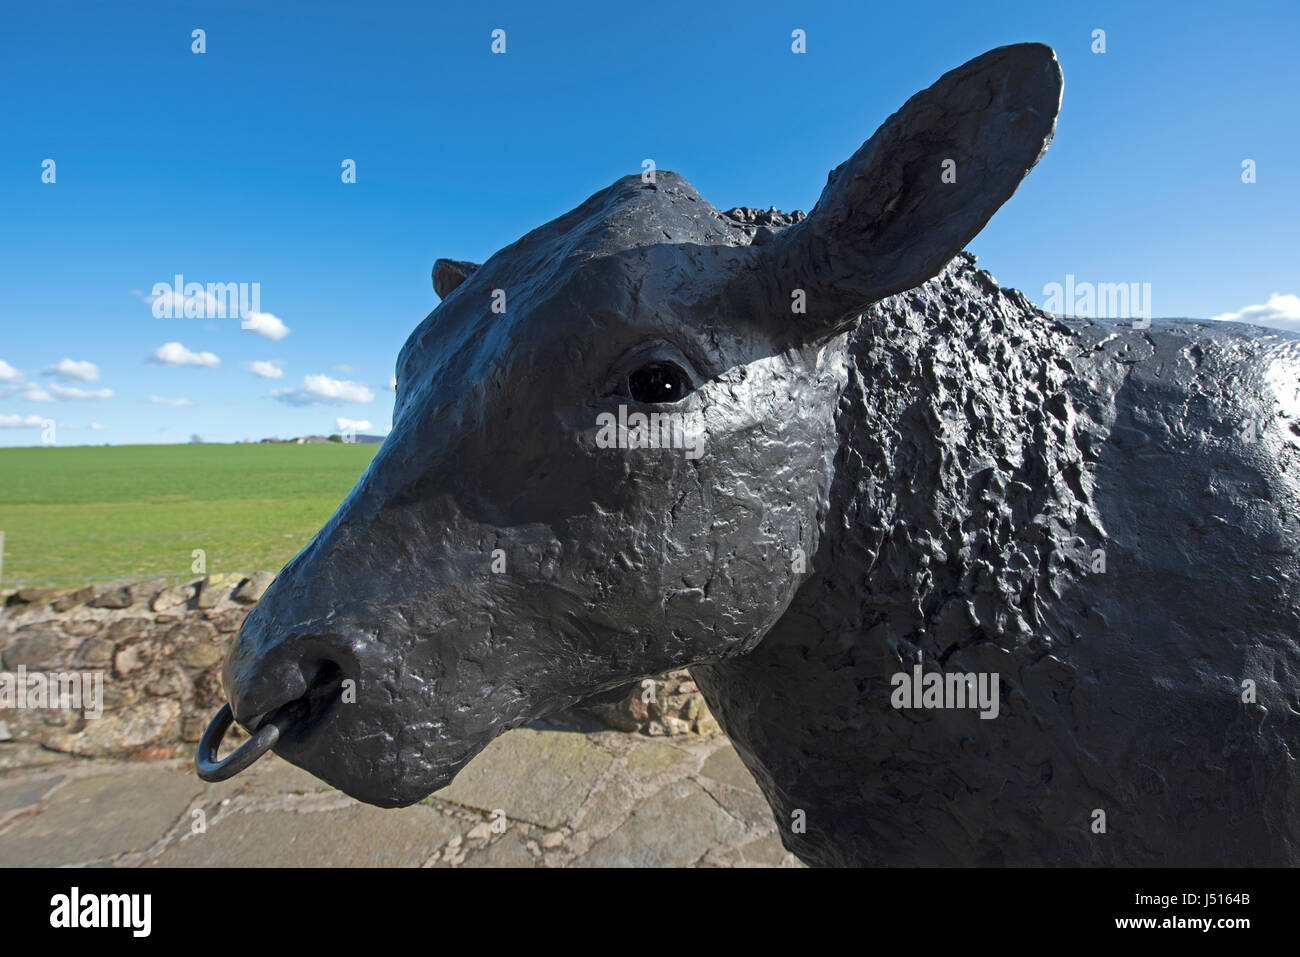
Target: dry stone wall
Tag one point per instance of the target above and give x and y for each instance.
(158, 650)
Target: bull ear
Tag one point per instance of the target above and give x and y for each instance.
(897, 211)
(450, 273)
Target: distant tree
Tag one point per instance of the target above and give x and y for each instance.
(196, 439)
(335, 438)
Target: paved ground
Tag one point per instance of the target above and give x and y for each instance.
(545, 796)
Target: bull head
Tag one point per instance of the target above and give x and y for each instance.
(513, 546)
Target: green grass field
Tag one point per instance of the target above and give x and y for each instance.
(72, 514)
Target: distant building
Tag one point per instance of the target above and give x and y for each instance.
(321, 440)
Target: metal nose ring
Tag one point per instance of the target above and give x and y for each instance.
(210, 768)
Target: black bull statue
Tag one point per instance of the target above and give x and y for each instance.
(964, 582)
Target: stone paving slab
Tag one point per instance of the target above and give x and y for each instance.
(24, 793)
(541, 777)
(353, 836)
(98, 817)
(542, 796)
(675, 827)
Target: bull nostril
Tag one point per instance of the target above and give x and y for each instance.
(323, 687)
(310, 708)
(324, 683)
(306, 672)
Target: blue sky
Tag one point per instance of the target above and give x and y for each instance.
(225, 167)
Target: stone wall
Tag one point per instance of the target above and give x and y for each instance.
(160, 648)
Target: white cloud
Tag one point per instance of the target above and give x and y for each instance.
(70, 392)
(55, 392)
(34, 393)
(353, 425)
(267, 368)
(265, 324)
(392, 382)
(321, 388)
(343, 367)
(21, 421)
(72, 369)
(205, 305)
(163, 400)
(8, 373)
(175, 354)
(1280, 312)
(96, 427)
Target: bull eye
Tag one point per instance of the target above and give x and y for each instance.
(658, 383)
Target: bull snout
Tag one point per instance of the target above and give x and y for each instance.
(284, 689)
(351, 661)
(326, 671)
(288, 675)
